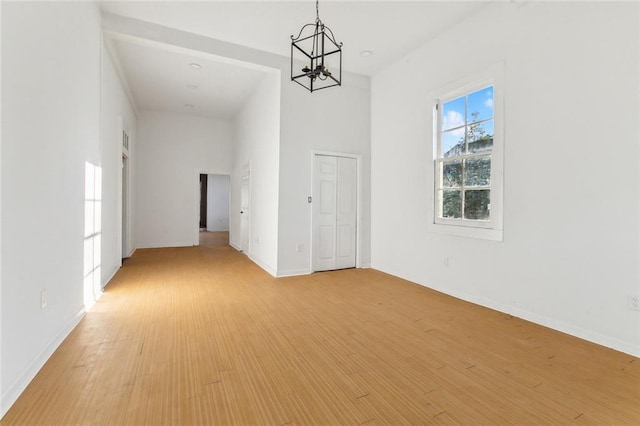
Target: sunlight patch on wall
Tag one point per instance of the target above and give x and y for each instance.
(92, 234)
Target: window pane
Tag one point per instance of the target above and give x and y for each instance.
(453, 114)
(476, 204)
(480, 136)
(451, 203)
(477, 171)
(452, 174)
(480, 105)
(453, 143)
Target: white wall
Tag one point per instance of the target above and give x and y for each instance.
(171, 151)
(3, 403)
(571, 217)
(218, 202)
(332, 120)
(116, 114)
(276, 133)
(50, 127)
(256, 142)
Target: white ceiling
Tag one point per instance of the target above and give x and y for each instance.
(158, 77)
(164, 80)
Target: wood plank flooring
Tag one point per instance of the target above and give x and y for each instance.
(201, 335)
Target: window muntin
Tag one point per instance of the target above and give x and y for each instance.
(464, 151)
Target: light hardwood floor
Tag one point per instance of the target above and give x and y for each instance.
(201, 335)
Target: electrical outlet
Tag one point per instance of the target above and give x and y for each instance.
(43, 299)
(634, 303)
(299, 248)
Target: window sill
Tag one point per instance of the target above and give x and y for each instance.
(466, 231)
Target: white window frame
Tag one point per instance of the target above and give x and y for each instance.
(493, 228)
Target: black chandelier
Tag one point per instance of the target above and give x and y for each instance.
(317, 49)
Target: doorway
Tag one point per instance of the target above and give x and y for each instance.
(125, 206)
(245, 200)
(213, 207)
(334, 220)
(203, 201)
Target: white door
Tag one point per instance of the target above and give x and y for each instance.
(346, 213)
(244, 208)
(334, 213)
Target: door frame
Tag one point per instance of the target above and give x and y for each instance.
(125, 221)
(245, 167)
(358, 158)
(196, 198)
(204, 179)
(125, 206)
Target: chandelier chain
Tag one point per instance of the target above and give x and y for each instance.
(317, 11)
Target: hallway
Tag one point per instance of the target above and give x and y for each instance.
(214, 239)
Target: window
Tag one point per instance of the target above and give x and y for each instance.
(468, 161)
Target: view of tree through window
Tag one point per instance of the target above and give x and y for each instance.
(464, 156)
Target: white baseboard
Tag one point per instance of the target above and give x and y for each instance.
(235, 246)
(263, 265)
(165, 245)
(11, 394)
(293, 272)
(113, 274)
(591, 336)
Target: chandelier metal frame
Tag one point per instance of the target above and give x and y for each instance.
(316, 46)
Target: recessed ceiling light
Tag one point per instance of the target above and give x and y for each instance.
(192, 86)
(195, 66)
(188, 106)
(366, 53)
